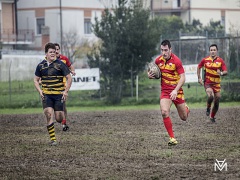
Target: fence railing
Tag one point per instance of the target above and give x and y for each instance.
(10, 35)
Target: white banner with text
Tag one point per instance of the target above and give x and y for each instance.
(86, 79)
(191, 73)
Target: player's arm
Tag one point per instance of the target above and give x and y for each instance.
(68, 86)
(181, 73)
(181, 81)
(223, 71)
(72, 69)
(173, 94)
(70, 66)
(200, 80)
(37, 86)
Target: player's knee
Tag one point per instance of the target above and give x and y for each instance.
(164, 113)
(217, 98)
(48, 115)
(210, 97)
(59, 117)
(58, 120)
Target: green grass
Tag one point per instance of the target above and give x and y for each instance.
(23, 95)
(111, 108)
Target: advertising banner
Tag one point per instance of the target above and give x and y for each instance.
(86, 79)
(191, 73)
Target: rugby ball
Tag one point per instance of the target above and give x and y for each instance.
(154, 69)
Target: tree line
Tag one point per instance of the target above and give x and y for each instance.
(129, 38)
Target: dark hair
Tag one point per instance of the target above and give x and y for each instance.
(166, 42)
(56, 44)
(212, 45)
(49, 46)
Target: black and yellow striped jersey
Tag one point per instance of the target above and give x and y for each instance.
(52, 76)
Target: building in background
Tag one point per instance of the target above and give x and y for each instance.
(10, 36)
(35, 22)
(227, 12)
(29, 24)
(50, 20)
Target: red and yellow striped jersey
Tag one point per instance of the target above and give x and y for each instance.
(210, 68)
(65, 60)
(170, 71)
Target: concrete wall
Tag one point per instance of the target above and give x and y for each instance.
(19, 67)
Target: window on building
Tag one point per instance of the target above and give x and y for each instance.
(223, 21)
(87, 26)
(179, 3)
(40, 23)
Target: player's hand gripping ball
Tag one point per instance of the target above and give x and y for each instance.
(154, 69)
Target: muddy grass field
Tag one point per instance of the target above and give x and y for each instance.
(120, 145)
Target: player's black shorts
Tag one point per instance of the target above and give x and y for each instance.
(53, 100)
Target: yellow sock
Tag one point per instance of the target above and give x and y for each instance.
(51, 132)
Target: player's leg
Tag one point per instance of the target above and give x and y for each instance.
(216, 100)
(181, 105)
(210, 97)
(183, 110)
(59, 115)
(48, 111)
(59, 109)
(64, 121)
(165, 105)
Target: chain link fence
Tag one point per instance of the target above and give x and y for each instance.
(15, 91)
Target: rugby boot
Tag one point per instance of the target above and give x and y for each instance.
(65, 127)
(172, 141)
(213, 120)
(53, 143)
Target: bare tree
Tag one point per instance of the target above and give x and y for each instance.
(75, 47)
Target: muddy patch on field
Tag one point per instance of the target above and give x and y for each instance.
(121, 145)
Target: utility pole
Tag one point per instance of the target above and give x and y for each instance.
(61, 30)
(189, 11)
(16, 19)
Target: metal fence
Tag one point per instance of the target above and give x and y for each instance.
(190, 49)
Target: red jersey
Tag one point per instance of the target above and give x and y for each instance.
(210, 67)
(65, 60)
(170, 71)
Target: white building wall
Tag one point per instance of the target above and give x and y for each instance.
(52, 20)
(82, 3)
(27, 19)
(72, 16)
(37, 3)
(232, 22)
(215, 4)
(75, 21)
(213, 9)
(206, 16)
(202, 10)
(65, 3)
